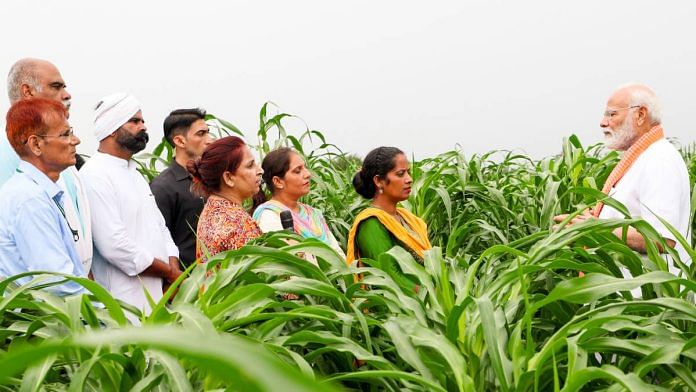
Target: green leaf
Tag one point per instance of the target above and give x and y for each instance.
(496, 337)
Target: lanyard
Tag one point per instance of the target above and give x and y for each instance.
(72, 196)
(75, 233)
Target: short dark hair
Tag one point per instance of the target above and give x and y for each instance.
(179, 121)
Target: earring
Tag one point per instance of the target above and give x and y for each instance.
(381, 190)
(280, 187)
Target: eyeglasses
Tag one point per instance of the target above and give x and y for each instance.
(610, 113)
(65, 135)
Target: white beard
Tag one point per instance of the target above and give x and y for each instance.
(621, 138)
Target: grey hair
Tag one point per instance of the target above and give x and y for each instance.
(642, 95)
(22, 72)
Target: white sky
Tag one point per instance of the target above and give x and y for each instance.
(423, 76)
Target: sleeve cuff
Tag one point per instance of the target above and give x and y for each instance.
(142, 262)
(172, 250)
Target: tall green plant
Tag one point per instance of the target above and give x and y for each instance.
(501, 305)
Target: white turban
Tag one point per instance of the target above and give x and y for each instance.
(113, 111)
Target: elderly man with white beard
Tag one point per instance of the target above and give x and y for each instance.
(651, 178)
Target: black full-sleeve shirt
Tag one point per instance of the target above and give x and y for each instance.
(179, 207)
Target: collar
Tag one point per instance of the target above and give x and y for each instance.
(41, 179)
(180, 173)
(113, 160)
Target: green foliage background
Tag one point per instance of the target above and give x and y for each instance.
(501, 306)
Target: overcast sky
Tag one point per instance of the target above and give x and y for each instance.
(424, 76)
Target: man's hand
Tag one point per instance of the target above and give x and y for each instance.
(175, 270)
(585, 215)
(171, 276)
(169, 271)
(636, 241)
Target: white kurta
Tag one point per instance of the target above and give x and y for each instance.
(128, 229)
(656, 184)
(75, 198)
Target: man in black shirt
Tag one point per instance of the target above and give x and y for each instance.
(187, 132)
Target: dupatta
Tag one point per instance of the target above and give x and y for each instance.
(417, 245)
(309, 223)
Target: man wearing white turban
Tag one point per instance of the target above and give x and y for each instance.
(134, 251)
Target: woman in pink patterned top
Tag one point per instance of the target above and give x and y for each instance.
(227, 174)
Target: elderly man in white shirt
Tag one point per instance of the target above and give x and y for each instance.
(651, 179)
(134, 251)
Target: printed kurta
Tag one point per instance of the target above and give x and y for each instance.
(223, 225)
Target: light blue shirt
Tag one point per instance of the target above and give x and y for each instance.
(8, 159)
(34, 234)
(9, 162)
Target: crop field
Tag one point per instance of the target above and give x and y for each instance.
(502, 306)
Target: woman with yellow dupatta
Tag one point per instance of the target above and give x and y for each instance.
(385, 178)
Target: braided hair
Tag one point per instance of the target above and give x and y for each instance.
(378, 162)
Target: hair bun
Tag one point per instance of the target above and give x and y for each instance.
(193, 167)
(361, 186)
(376, 164)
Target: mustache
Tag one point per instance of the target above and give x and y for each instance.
(133, 143)
(142, 136)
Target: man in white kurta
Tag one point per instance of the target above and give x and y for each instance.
(656, 185)
(651, 179)
(134, 251)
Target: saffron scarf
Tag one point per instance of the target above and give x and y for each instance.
(417, 244)
(308, 222)
(656, 133)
